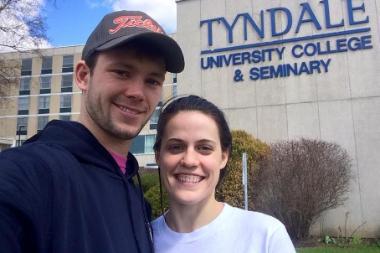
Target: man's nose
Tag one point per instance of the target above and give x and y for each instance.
(135, 89)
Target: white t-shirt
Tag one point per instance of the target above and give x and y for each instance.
(234, 230)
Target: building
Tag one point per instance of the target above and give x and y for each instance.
(287, 69)
(280, 70)
(43, 89)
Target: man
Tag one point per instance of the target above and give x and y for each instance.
(70, 187)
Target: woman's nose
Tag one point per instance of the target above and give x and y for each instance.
(189, 158)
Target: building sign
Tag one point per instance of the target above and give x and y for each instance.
(332, 35)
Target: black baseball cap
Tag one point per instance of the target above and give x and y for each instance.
(119, 27)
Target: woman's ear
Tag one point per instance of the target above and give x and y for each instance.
(157, 157)
(82, 75)
(225, 157)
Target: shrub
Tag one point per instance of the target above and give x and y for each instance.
(148, 180)
(300, 180)
(231, 189)
(153, 197)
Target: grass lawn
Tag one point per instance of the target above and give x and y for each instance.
(356, 249)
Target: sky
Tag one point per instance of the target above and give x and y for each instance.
(69, 22)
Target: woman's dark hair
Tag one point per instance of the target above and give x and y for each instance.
(195, 103)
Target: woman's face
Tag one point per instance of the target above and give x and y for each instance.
(190, 158)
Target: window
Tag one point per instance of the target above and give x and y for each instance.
(149, 142)
(45, 84)
(174, 90)
(42, 121)
(68, 63)
(67, 83)
(46, 65)
(25, 85)
(174, 86)
(65, 117)
(143, 144)
(26, 67)
(154, 118)
(23, 105)
(65, 103)
(43, 104)
(22, 126)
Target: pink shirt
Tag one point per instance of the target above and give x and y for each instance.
(120, 159)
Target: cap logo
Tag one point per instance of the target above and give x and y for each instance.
(134, 21)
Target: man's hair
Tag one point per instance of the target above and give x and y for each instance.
(141, 47)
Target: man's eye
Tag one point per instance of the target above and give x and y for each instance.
(154, 82)
(122, 73)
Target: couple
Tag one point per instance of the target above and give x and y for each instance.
(70, 188)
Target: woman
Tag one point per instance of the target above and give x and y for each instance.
(192, 148)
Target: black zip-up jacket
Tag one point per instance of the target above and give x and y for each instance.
(62, 192)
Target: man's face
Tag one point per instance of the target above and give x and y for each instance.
(123, 91)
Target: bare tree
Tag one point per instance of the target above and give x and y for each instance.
(22, 27)
(300, 180)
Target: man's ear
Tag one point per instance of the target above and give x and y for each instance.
(82, 75)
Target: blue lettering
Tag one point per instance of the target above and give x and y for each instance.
(341, 45)
(288, 21)
(246, 56)
(366, 42)
(325, 65)
(254, 74)
(236, 59)
(351, 10)
(259, 30)
(328, 17)
(295, 53)
(314, 66)
(264, 72)
(310, 49)
(303, 69)
(277, 72)
(256, 56)
(312, 18)
(209, 28)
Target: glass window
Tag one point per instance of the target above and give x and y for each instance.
(23, 103)
(143, 144)
(42, 121)
(22, 125)
(174, 90)
(46, 65)
(154, 118)
(25, 83)
(65, 117)
(26, 67)
(138, 143)
(68, 63)
(67, 81)
(43, 102)
(65, 101)
(45, 82)
(149, 142)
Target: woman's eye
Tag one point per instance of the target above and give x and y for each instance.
(175, 148)
(205, 149)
